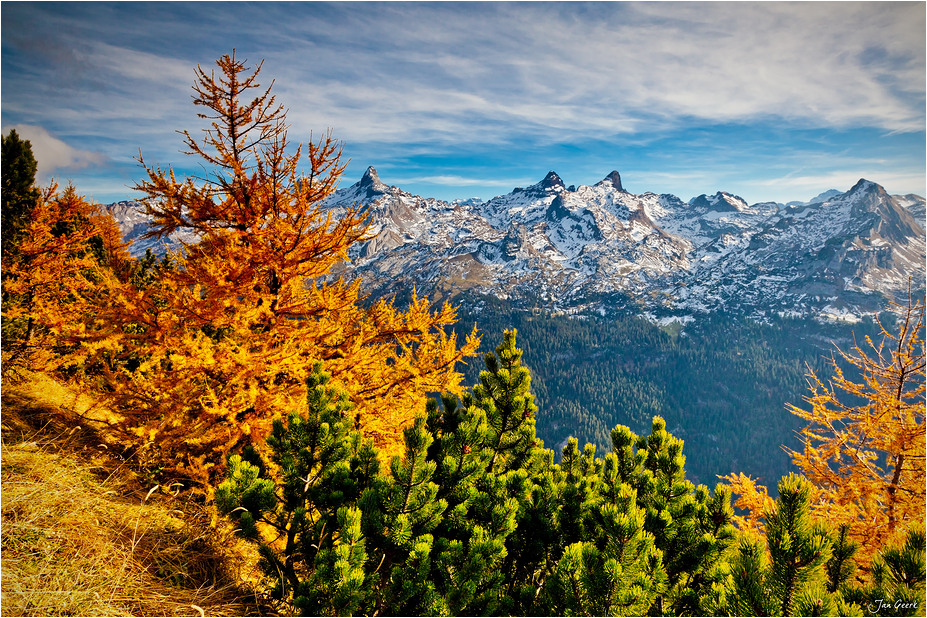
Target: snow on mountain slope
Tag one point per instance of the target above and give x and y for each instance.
(915, 205)
(595, 247)
(563, 246)
(133, 223)
(832, 253)
(544, 241)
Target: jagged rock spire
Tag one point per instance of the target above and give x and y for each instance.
(615, 179)
(370, 182)
(552, 181)
(370, 178)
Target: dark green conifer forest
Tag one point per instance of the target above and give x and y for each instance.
(722, 382)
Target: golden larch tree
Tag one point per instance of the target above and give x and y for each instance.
(57, 279)
(228, 336)
(864, 441)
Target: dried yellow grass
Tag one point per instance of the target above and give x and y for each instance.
(81, 536)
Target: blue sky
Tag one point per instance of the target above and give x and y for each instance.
(770, 101)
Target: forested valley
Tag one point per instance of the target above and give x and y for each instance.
(721, 382)
(288, 445)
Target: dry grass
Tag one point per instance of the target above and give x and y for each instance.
(81, 536)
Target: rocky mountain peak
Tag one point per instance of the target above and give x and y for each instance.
(719, 202)
(867, 197)
(370, 183)
(552, 182)
(371, 180)
(884, 216)
(863, 185)
(614, 179)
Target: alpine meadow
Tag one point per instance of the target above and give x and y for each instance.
(277, 395)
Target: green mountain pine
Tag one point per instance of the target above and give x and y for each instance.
(477, 519)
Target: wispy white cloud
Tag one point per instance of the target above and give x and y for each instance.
(843, 179)
(443, 71)
(634, 67)
(52, 154)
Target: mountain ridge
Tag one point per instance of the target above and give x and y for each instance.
(546, 244)
(600, 248)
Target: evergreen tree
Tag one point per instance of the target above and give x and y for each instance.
(448, 531)
(403, 511)
(504, 396)
(491, 457)
(798, 547)
(478, 520)
(323, 468)
(841, 565)
(618, 571)
(19, 194)
(691, 527)
(791, 579)
(897, 586)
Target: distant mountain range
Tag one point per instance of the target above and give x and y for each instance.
(601, 248)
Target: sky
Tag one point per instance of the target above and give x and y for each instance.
(769, 101)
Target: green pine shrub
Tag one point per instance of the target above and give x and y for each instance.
(477, 518)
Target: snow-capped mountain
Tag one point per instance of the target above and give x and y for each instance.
(826, 257)
(133, 223)
(839, 254)
(601, 247)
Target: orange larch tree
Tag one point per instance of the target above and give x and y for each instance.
(63, 270)
(228, 336)
(864, 444)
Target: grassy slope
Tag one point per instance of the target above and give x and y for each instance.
(82, 536)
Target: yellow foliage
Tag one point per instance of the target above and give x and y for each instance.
(865, 460)
(753, 499)
(53, 285)
(225, 339)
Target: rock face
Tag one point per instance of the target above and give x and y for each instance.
(603, 248)
(593, 246)
(133, 223)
